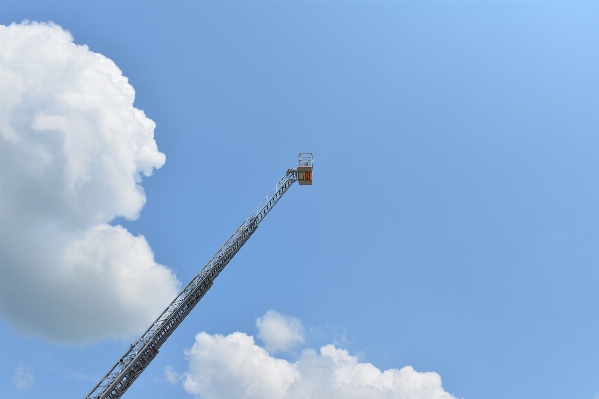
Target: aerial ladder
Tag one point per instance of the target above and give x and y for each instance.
(135, 360)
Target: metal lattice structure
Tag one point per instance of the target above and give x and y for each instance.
(140, 354)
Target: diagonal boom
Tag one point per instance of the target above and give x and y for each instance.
(144, 350)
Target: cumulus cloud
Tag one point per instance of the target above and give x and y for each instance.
(22, 378)
(233, 366)
(73, 151)
(279, 332)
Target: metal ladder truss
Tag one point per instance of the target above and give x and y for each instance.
(120, 377)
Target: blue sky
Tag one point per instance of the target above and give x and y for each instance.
(453, 221)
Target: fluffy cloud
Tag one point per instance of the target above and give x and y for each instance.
(73, 150)
(235, 367)
(279, 332)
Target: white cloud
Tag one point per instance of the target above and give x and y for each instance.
(73, 150)
(22, 378)
(279, 332)
(172, 376)
(234, 367)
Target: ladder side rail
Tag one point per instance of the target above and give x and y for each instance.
(151, 331)
(201, 289)
(138, 345)
(171, 320)
(274, 199)
(179, 308)
(119, 385)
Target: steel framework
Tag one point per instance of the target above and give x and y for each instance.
(144, 350)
